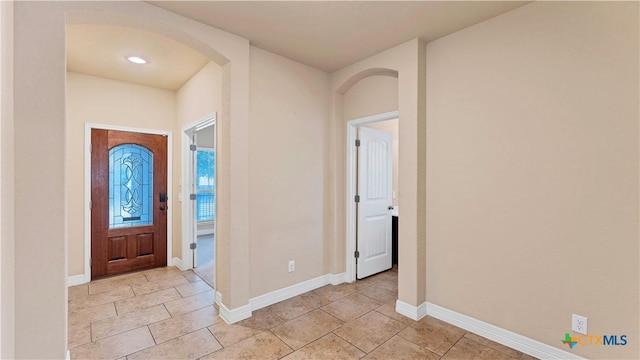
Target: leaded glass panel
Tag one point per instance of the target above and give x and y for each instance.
(130, 186)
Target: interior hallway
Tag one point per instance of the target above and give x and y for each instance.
(166, 313)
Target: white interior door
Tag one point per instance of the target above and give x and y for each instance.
(193, 198)
(375, 171)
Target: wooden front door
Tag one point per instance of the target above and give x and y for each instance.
(128, 202)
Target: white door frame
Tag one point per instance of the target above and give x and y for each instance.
(352, 129)
(188, 216)
(87, 188)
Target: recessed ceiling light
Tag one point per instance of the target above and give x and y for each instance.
(137, 60)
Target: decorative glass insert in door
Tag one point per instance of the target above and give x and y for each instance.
(130, 186)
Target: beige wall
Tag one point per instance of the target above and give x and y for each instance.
(392, 127)
(101, 101)
(40, 266)
(289, 115)
(196, 99)
(7, 240)
(373, 95)
(200, 96)
(532, 162)
(406, 62)
(39, 215)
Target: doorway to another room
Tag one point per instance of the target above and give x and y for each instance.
(372, 187)
(201, 199)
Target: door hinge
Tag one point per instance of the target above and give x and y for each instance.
(90, 261)
(357, 254)
(193, 246)
(193, 196)
(357, 199)
(193, 147)
(90, 147)
(90, 205)
(357, 142)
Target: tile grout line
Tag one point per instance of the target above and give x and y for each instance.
(281, 339)
(281, 320)
(452, 346)
(349, 342)
(490, 347)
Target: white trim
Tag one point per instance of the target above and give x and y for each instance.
(412, 312)
(234, 315)
(259, 302)
(87, 187)
(178, 263)
(186, 171)
(352, 125)
(68, 357)
(288, 292)
(336, 279)
(77, 280)
(491, 332)
(187, 217)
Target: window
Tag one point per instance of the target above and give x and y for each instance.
(205, 185)
(130, 186)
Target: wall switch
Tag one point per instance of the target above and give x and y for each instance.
(292, 265)
(579, 324)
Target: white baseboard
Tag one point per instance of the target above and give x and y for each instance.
(77, 280)
(288, 292)
(412, 312)
(491, 332)
(68, 355)
(234, 315)
(178, 263)
(337, 279)
(240, 313)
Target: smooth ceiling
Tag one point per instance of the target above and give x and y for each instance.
(330, 35)
(101, 50)
(327, 35)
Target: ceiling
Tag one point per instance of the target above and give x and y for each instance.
(327, 35)
(102, 50)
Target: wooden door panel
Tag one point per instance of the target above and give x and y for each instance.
(117, 248)
(132, 242)
(144, 244)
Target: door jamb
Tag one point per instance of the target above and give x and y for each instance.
(352, 126)
(87, 188)
(187, 172)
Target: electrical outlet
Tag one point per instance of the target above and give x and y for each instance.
(579, 324)
(292, 265)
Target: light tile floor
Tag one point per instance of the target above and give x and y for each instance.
(206, 255)
(168, 314)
